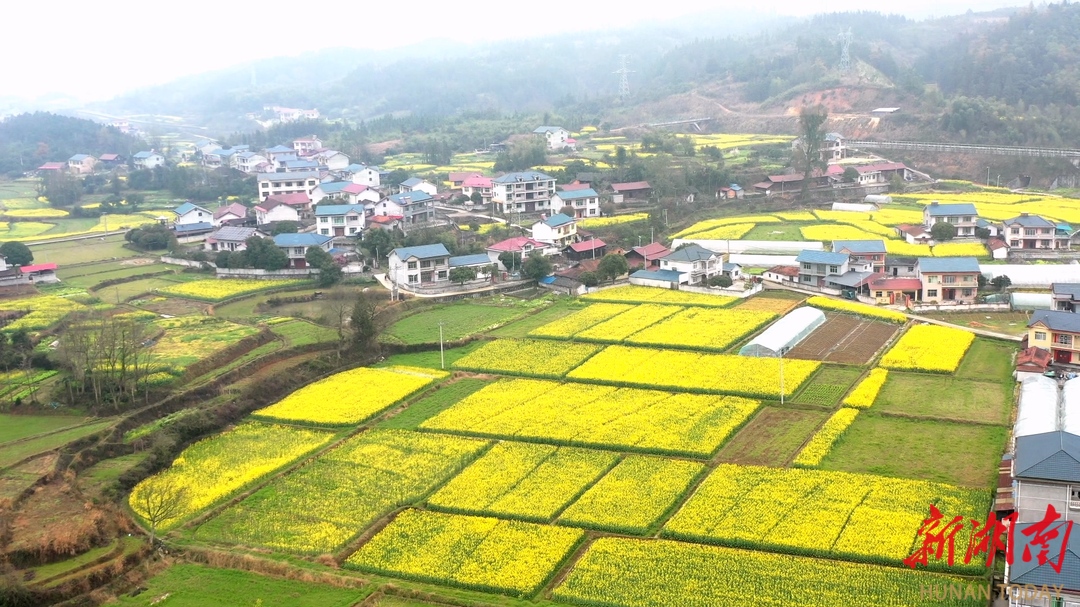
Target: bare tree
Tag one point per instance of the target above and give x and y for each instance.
(159, 499)
(811, 121)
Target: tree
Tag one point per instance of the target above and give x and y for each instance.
(536, 266)
(329, 272)
(285, 227)
(589, 279)
(263, 254)
(612, 266)
(159, 499)
(509, 260)
(982, 233)
(61, 188)
(1001, 282)
(851, 175)
(462, 275)
(476, 198)
(720, 280)
(942, 231)
(378, 244)
(16, 253)
(811, 122)
(362, 321)
(152, 237)
(567, 210)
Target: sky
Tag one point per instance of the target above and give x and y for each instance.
(97, 50)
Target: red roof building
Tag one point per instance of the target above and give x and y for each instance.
(518, 244)
(1033, 360)
(53, 166)
(647, 256)
(296, 199)
(38, 267)
(895, 290)
(634, 190)
(574, 187)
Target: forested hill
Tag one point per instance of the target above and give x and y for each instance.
(1033, 58)
(28, 140)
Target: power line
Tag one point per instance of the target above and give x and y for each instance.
(845, 39)
(624, 77)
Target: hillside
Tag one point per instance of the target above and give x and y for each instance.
(28, 140)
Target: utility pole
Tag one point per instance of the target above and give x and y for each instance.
(442, 355)
(782, 352)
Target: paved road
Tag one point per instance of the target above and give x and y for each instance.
(460, 211)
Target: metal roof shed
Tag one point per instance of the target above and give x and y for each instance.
(785, 333)
(1038, 409)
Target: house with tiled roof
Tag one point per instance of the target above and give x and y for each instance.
(234, 212)
(523, 192)
(634, 190)
(584, 201)
(477, 184)
(1059, 574)
(307, 145)
(248, 161)
(457, 178)
(362, 174)
(189, 213)
(412, 207)
(339, 219)
(415, 184)
(863, 252)
(1027, 231)
(230, 238)
(647, 256)
(815, 267)
(556, 137)
(420, 265)
(287, 183)
(948, 278)
(694, 263)
(558, 230)
(1058, 332)
(296, 246)
(147, 160)
(52, 167)
(331, 160)
(521, 247)
(593, 248)
(914, 234)
(882, 172)
(963, 216)
(1066, 296)
(81, 164)
(273, 210)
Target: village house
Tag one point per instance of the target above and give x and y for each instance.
(520, 247)
(914, 234)
(331, 160)
(279, 153)
(412, 207)
(457, 178)
(593, 248)
(273, 210)
(782, 274)
(1058, 332)
(1047, 473)
(559, 230)
(147, 160)
(694, 263)
(249, 161)
(948, 278)
(38, 273)
(415, 184)
(296, 246)
(882, 172)
(110, 160)
(816, 266)
(863, 252)
(634, 190)
(962, 216)
(477, 184)
(646, 257)
(730, 192)
(889, 290)
(190, 213)
(52, 167)
(903, 267)
(1029, 577)
(301, 165)
(299, 201)
(585, 202)
(477, 261)
(1066, 296)
(271, 184)
(81, 164)
(339, 219)
(230, 213)
(330, 190)
(229, 238)
(305, 146)
(524, 191)
(992, 229)
(362, 174)
(422, 265)
(998, 248)
(361, 194)
(1033, 232)
(556, 137)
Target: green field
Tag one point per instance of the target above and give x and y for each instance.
(442, 398)
(772, 437)
(84, 250)
(988, 359)
(459, 320)
(104, 474)
(14, 452)
(828, 386)
(67, 273)
(125, 291)
(88, 281)
(522, 327)
(1009, 323)
(14, 427)
(198, 586)
(303, 333)
(430, 359)
(960, 454)
(953, 399)
(773, 231)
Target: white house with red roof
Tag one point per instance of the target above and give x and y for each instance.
(882, 172)
(52, 167)
(272, 209)
(914, 234)
(457, 178)
(477, 183)
(299, 201)
(521, 247)
(361, 194)
(40, 272)
(229, 213)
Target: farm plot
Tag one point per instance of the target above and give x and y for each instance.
(477, 553)
(828, 386)
(943, 397)
(215, 467)
(37, 312)
(764, 303)
(528, 357)
(598, 416)
(694, 371)
(639, 294)
(523, 481)
(350, 397)
(703, 328)
(629, 323)
(459, 320)
(930, 348)
(772, 437)
(187, 340)
(845, 339)
(622, 572)
(214, 290)
(633, 496)
(574, 323)
(319, 507)
(814, 512)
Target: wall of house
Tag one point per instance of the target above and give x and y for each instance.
(1032, 498)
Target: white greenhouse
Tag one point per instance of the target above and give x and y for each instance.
(1038, 409)
(785, 333)
(1070, 420)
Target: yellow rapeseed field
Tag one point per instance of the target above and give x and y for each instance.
(640, 294)
(866, 392)
(929, 348)
(820, 444)
(221, 289)
(859, 309)
(528, 357)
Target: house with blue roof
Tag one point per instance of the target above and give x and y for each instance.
(863, 252)
(479, 262)
(190, 213)
(147, 160)
(81, 164)
(815, 267)
(694, 263)
(412, 207)
(339, 219)
(556, 137)
(296, 246)
(249, 162)
(585, 202)
(362, 174)
(424, 265)
(523, 192)
(963, 216)
(948, 278)
(559, 230)
(415, 184)
(1027, 231)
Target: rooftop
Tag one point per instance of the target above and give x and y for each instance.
(516, 244)
(412, 182)
(523, 176)
(294, 176)
(235, 234)
(1056, 321)
(1052, 456)
(1067, 289)
(338, 209)
(188, 207)
(424, 251)
(476, 259)
(578, 194)
(406, 198)
(185, 228)
(936, 209)
(1066, 558)
(309, 239)
(293, 199)
(948, 264)
(664, 275)
(825, 257)
(653, 250)
(784, 270)
(476, 181)
(588, 245)
(693, 252)
(235, 208)
(631, 186)
(1029, 221)
(547, 129)
(859, 246)
(38, 267)
(558, 219)
(78, 158)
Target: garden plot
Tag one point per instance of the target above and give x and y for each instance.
(845, 339)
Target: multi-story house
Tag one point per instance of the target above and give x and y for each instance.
(962, 216)
(248, 161)
(296, 246)
(559, 230)
(420, 265)
(229, 238)
(1058, 332)
(863, 252)
(525, 191)
(362, 174)
(882, 172)
(333, 160)
(306, 145)
(556, 137)
(903, 267)
(585, 202)
(1066, 296)
(287, 183)
(477, 183)
(81, 164)
(147, 160)
(948, 278)
(279, 154)
(230, 213)
(415, 184)
(457, 178)
(339, 219)
(413, 207)
(694, 263)
(273, 210)
(816, 266)
(1033, 232)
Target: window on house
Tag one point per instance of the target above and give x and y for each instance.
(425, 264)
(325, 231)
(949, 280)
(442, 274)
(911, 268)
(931, 293)
(880, 294)
(1074, 497)
(1044, 243)
(339, 220)
(412, 265)
(1063, 339)
(298, 250)
(931, 279)
(1015, 231)
(1029, 231)
(834, 269)
(966, 292)
(413, 278)
(1014, 243)
(1040, 336)
(807, 278)
(806, 266)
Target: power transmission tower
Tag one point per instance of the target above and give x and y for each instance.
(845, 50)
(624, 78)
